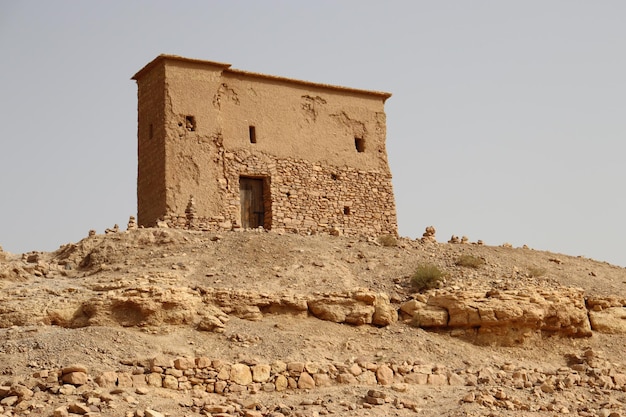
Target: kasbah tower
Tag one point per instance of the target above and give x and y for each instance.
(225, 149)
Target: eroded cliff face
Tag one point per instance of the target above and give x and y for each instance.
(154, 277)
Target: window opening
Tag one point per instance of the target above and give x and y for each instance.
(252, 132)
(359, 144)
(346, 210)
(334, 177)
(190, 123)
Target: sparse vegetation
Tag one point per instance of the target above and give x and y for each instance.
(388, 240)
(535, 271)
(427, 277)
(470, 261)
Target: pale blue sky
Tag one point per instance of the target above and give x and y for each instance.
(506, 124)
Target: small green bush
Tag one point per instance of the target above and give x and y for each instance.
(535, 271)
(388, 240)
(470, 261)
(427, 277)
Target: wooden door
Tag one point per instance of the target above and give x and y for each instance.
(252, 204)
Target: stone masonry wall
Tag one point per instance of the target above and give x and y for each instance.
(305, 197)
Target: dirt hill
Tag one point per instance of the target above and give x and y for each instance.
(153, 322)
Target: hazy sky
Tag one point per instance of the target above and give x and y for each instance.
(507, 121)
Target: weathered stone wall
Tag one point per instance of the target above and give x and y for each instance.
(304, 146)
(209, 382)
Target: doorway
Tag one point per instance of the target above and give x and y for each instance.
(255, 203)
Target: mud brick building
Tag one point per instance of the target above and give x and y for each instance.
(221, 148)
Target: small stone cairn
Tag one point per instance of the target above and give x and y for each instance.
(132, 223)
(190, 213)
(429, 235)
(115, 229)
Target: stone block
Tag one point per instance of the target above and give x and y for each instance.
(261, 373)
(75, 378)
(240, 374)
(384, 375)
(306, 381)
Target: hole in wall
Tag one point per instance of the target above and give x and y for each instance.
(346, 210)
(252, 134)
(190, 123)
(359, 144)
(334, 177)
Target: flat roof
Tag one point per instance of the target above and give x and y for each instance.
(226, 68)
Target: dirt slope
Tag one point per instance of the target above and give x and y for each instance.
(79, 305)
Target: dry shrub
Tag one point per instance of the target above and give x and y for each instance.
(536, 271)
(388, 240)
(427, 277)
(470, 261)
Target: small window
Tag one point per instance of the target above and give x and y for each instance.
(334, 177)
(190, 123)
(252, 132)
(359, 144)
(346, 210)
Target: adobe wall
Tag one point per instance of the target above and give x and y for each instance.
(305, 149)
(151, 192)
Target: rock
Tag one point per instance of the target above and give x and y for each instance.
(170, 382)
(75, 378)
(346, 378)
(547, 388)
(184, 363)
(75, 368)
(261, 373)
(281, 383)
(384, 313)
(78, 408)
(67, 389)
(384, 375)
(296, 368)
(470, 397)
(430, 317)
(161, 362)
(24, 393)
(152, 413)
(508, 317)
(610, 320)
(154, 380)
(342, 309)
(61, 412)
(306, 381)
(10, 401)
(437, 379)
(375, 397)
(107, 379)
(322, 380)
(240, 374)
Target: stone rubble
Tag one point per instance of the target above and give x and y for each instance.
(210, 382)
